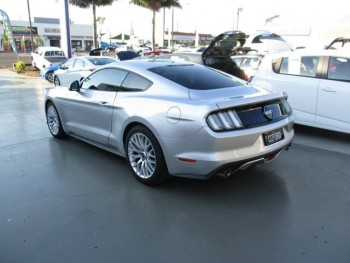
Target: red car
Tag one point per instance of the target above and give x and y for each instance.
(157, 52)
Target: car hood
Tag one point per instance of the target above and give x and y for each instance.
(232, 96)
(225, 43)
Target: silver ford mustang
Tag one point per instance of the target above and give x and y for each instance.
(172, 118)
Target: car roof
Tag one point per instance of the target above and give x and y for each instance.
(142, 66)
(311, 52)
(147, 64)
(49, 48)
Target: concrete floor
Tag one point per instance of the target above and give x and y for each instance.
(67, 201)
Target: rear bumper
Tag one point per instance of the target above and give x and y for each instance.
(207, 153)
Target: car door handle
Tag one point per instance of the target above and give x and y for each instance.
(329, 90)
(103, 103)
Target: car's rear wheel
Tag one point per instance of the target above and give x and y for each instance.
(54, 121)
(145, 157)
(56, 81)
(49, 76)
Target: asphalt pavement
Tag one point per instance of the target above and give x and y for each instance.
(67, 201)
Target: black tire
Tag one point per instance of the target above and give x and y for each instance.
(145, 156)
(54, 121)
(49, 76)
(56, 81)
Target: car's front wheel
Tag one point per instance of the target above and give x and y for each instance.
(49, 76)
(145, 157)
(54, 121)
(56, 81)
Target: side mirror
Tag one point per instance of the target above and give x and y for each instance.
(74, 86)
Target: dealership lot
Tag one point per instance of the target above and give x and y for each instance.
(67, 201)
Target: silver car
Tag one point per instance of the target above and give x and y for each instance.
(77, 68)
(172, 118)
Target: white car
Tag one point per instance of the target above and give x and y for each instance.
(265, 42)
(44, 57)
(78, 68)
(317, 84)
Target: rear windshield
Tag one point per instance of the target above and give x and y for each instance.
(195, 77)
(101, 61)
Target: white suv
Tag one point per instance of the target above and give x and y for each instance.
(317, 84)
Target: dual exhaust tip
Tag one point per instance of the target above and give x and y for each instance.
(225, 173)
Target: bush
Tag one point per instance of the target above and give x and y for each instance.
(20, 65)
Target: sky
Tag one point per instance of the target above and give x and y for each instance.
(203, 16)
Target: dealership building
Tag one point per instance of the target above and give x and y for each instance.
(47, 32)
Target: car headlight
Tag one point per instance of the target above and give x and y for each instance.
(224, 120)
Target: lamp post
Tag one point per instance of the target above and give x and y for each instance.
(30, 25)
(238, 11)
(172, 28)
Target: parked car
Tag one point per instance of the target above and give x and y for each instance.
(219, 54)
(265, 42)
(78, 67)
(249, 63)
(103, 52)
(223, 63)
(317, 84)
(168, 118)
(157, 52)
(48, 72)
(339, 43)
(106, 45)
(127, 55)
(44, 57)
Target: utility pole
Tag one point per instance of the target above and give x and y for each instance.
(30, 25)
(238, 11)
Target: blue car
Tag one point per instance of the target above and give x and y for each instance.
(47, 73)
(106, 45)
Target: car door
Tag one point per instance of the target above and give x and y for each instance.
(64, 70)
(74, 72)
(302, 88)
(333, 105)
(89, 111)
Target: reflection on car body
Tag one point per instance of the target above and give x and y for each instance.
(168, 118)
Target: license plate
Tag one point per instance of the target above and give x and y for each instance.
(273, 136)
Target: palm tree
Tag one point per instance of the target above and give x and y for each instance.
(155, 6)
(93, 3)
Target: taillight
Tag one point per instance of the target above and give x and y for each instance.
(286, 109)
(91, 69)
(332, 67)
(245, 76)
(224, 120)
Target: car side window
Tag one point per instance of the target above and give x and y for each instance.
(308, 66)
(79, 63)
(300, 66)
(339, 68)
(69, 64)
(105, 80)
(134, 82)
